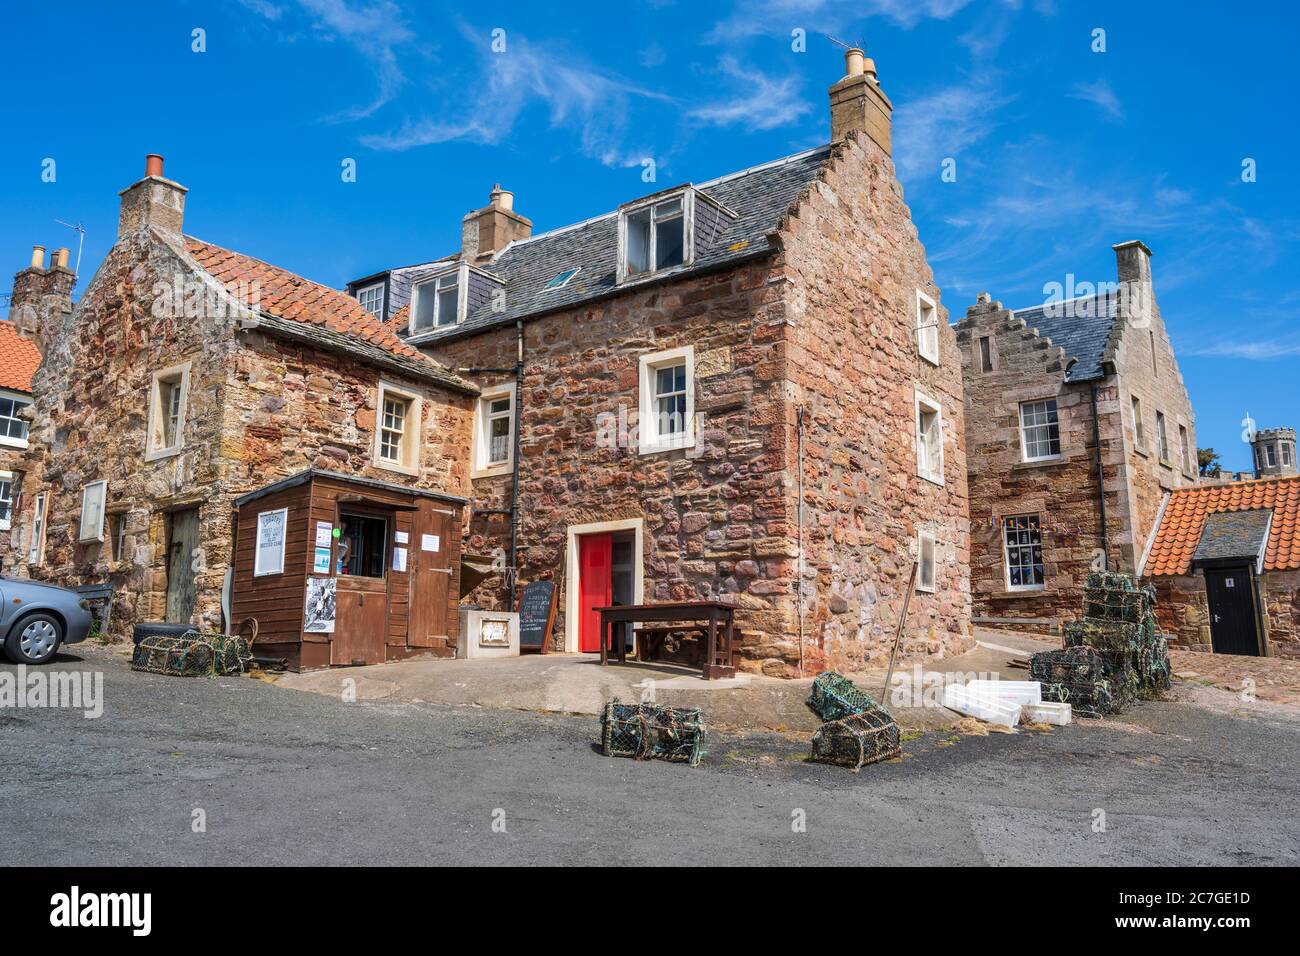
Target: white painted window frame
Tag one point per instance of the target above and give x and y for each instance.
(927, 328)
(21, 400)
(383, 296)
(412, 441)
(12, 477)
(649, 441)
(1162, 439)
(687, 196)
(429, 284)
(922, 539)
(96, 531)
(1139, 432)
(922, 400)
(1024, 440)
(1006, 553)
(154, 447)
(36, 544)
(482, 434)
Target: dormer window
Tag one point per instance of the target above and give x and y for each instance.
(371, 298)
(437, 302)
(656, 236)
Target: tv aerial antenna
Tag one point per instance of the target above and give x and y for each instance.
(860, 45)
(80, 230)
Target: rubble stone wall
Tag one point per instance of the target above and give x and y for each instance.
(1183, 612)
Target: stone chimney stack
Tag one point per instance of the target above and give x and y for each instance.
(1134, 262)
(485, 232)
(39, 292)
(858, 102)
(153, 201)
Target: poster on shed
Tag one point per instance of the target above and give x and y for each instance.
(319, 617)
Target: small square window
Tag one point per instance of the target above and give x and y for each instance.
(1023, 550)
(92, 511)
(667, 407)
(929, 439)
(1040, 430)
(436, 303)
(561, 280)
(13, 427)
(397, 429)
(925, 570)
(927, 328)
(655, 237)
(371, 298)
(363, 546)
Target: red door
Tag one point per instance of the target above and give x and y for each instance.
(595, 584)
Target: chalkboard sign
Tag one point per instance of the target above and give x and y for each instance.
(536, 616)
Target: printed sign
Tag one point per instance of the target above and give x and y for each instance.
(269, 555)
(399, 559)
(401, 537)
(324, 533)
(319, 615)
(430, 542)
(321, 561)
(494, 632)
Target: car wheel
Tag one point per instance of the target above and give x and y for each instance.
(34, 639)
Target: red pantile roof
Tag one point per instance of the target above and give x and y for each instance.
(18, 359)
(1185, 513)
(289, 296)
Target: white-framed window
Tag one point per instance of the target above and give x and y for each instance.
(1139, 433)
(36, 544)
(1040, 430)
(439, 301)
(929, 438)
(1286, 454)
(268, 550)
(986, 353)
(13, 427)
(667, 407)
(656, 236)
(1271, 454)
(494, 422)
(1162, 437)
(1022, 538)
(8, 491)
(925, 562)
(371, 298)
(1184, 449)
(92, 511)
(927, 328)
(168, 398)
(397, 429)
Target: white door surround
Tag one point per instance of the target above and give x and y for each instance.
(636, 525)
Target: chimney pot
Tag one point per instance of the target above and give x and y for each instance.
(38, 257)
(60, 259)
(502, 198)
(153, 166)
(853, 62)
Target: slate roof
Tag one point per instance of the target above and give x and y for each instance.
(1234, 534)
(1080, 326)
(306, 310)
(759, 196)
(1183, 522)
(18, 359)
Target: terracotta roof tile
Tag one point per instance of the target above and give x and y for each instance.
(1180, 528)
(18, 359)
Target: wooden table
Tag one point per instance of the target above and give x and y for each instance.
(718, 618)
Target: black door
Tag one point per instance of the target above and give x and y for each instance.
(1232, 611)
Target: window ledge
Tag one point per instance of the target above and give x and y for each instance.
(159, 453)
(655, 448)
(13, 442)
(932, 479)
(935, 362)
(495, 471)
(398, 468)
(1010, 595)
(1141, 451)
(646, 277)
(1166, 463)
(1040, 463)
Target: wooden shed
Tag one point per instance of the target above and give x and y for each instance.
(343, 570)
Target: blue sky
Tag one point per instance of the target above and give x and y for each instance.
(1060, 151)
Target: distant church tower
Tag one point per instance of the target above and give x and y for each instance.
(1274, 450)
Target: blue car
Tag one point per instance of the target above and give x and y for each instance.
(36, 619)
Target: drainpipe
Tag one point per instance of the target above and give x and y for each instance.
(1101, 479)
(801, 552)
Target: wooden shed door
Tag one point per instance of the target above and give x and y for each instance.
(431, 565)
(1232, 611)
(182, 540)
(361, 601)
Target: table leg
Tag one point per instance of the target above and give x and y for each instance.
(712, 645)
(730, 638)
(622, 644)
(604, 645)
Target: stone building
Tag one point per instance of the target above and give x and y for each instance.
(1058, 395)
(741, 389)
(188, 374)
(1225, 561)
(1273, 451)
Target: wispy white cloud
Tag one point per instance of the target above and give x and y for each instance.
(375, 28)
(1101, 95)
(593, 103)
(758, 101)
(1263, 350)
(769, 17)
(931, 128)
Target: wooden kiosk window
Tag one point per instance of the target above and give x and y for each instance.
(363, 546)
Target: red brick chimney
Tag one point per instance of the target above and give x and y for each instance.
(858, 102)
(39, 292)
(485, 232)
(153, 201)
